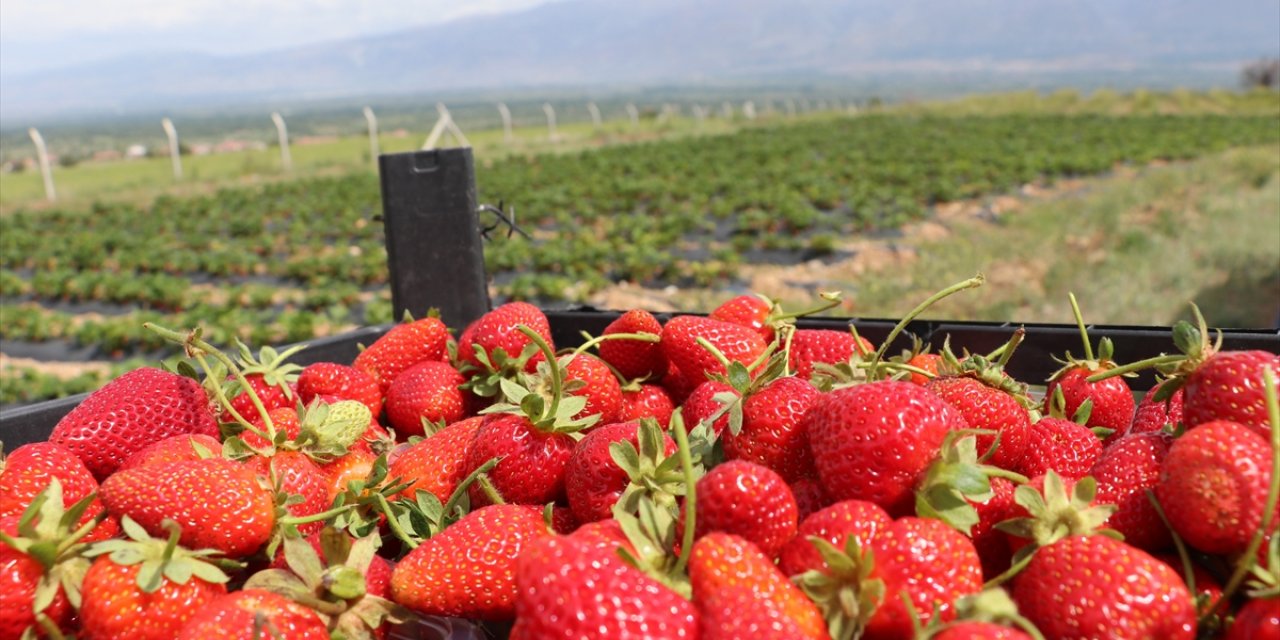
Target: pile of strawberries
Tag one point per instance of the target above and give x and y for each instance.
(721, 476)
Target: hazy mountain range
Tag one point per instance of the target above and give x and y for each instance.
(629, 43)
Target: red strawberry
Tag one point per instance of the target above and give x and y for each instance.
(498, 330)
(593, 480)
(1055, 444)
(723, 563)
(437, 463)
(120, 601)
(929, 362)
(810, 497)
(1208, 588)
(270, 376)
(600, 387)
(633, 358)
(1153, 415)
(469, 569)
(1127, 470)
(873, 441)
(747, 310)
(747, 500)
(357, 464)
(835, 524)
(339, 381)
(980, 631)
(296, 475)
(253, 614)
(828, 346)
(738, 613)
(20, 574)
(402, 347)
(647, 401)
(427, 391)
(735, 342)
(1213, 485)
(1229, 386)
(1095, 586)
(531, 462)
(992, 544)
(771, 432)
(183, 447)
(284, 420)
(988, 402)
(929, 562)
(29, 469)
(220, 504)
(678, 384)
(1111, 398)
(1049, 508)
(569, 588)
(703, 403)
(1258, 618)
(138, 408)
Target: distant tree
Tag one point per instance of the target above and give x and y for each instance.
(1264, 73)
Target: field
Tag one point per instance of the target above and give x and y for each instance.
(1138, 204)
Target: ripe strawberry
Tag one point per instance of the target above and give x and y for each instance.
(145, 589)
(1258, 618)
(678, 384)
(747, 500)
(835, 524)
(722, 563)
(284, 420)
(497, 331)
(427, 391)
(747, 310)
(295, 474)
(873, 441)
(140, 407)
(929, 562)
(174, 448)
(771, 434)
(989, 402)
(735, 342)
(646, 401)
(599, 387)
(810, 497)
(569, 588)
(402, 347)
(469, 569)
(356, 465)
(992, 544)
(339, 381)
(1213, 485)
(29, 469)
(1095, 586)
(220, 503)
(1153, 415)
(1127, 470)
(1055, 444)
(1208, 588)
(1229, 386)
(594, 481)
(810, 346)
(929, 362)
(21, 574)
(271, 377)
(634, 359)
(703, 403)
(979, 631)
(739, 613)
(437, 463)
(1111, 398)
(531, 461)
(253, 614)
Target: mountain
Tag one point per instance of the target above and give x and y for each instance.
(577, 43)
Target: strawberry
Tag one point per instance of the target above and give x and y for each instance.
(220, 504)
(1049, 508)
(707, 401)
(182, 447)
(1213, 485)
(678, 384)
(979, 631)
(929, 562)
(634, 359)
(29, 469)
(594, 480)
(356, 465)
(140, 407)
(402, 347)
(1056, 444)
(1096, 586)
(810, 497)
(1229, 386)
(21, 574)
(271, 377)
(1258, 618)
(284, 420)
(771, 433)
(722, 563)
(599, 386)
(570, 588)
(873, 441)
(1208, 588)
(41, 564)
(736, 343)
(835, 524)
(748, 500)
(295, 474)
(469, 569)
(253, 614)
(927, 362)
(828, 346)
(1125, 472)
(339, 381)
(749, 311)
(1110, 401)
(493, 344)
(145, 588)
(989, 402)
(738, 613)
(646, 401)
(437, 463)
(428, 391)
(531, 462)
(992, 544)
(1154, 415)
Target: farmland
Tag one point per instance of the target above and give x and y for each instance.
(290, 259)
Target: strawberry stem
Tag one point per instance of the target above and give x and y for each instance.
(975, 281)
(557, 379)
(317, 517)
(490, 491)
(1084, 333)
(48, 627)
(691, 494)
(1137, 366)
(1188, 573)
(829, 300)
(593, 341)
(394, 524)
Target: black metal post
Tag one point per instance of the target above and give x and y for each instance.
(434, 249)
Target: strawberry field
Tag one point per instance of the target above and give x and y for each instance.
(296, 260)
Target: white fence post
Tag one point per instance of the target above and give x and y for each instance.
(42, 154)
(749, 110)
(175, 152)
(285, 158)
(374, 149)
(634, 113)
(445, 123)
(595, 115)
(503, 111)
(552, 135)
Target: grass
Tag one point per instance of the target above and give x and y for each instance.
(1135, 249)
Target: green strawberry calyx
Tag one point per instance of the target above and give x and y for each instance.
(543, 397)
(844, 590)
(958, 479)
(160, 560)
(51, 534)
(1053, 516)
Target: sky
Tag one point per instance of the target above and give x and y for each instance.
(44, 34)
